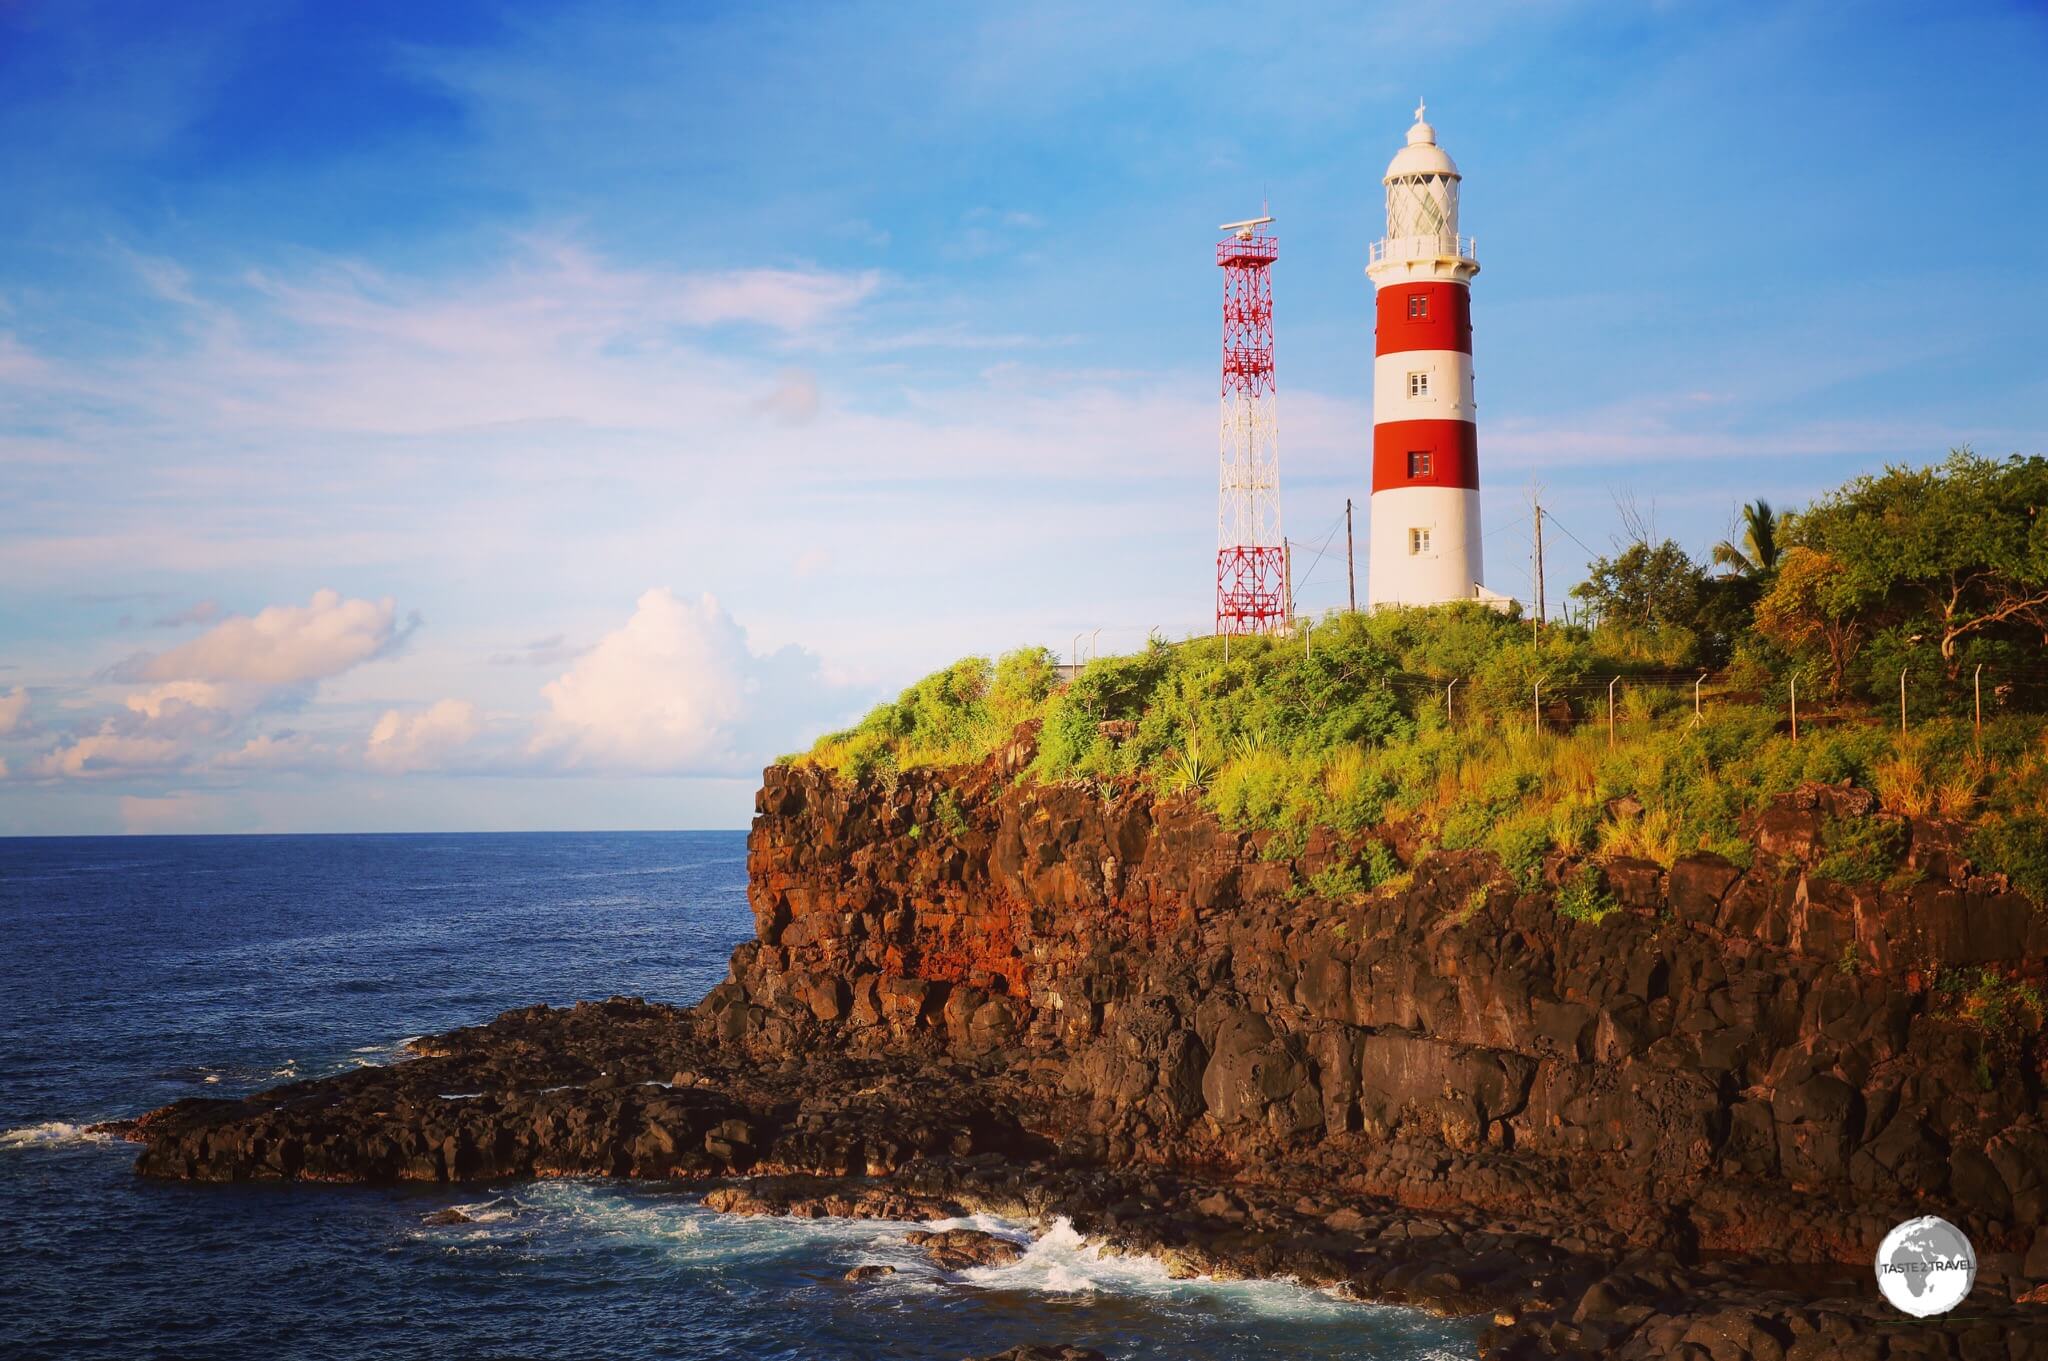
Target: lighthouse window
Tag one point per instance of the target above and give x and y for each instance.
(1418, 306)
(1418, 542)
(1418, 463)
(1418, 385)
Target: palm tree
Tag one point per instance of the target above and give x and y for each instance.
(1758, 555)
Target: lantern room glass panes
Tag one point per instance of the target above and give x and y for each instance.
(1422, 205)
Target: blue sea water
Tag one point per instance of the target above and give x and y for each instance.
(134, 971)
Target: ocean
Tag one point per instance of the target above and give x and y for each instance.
(135, 971)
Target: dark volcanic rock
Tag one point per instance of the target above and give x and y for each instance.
(959, 1249)
(1626, 1138)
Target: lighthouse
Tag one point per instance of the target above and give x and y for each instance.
(1425, 454)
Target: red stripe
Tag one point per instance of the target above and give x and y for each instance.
(1452, 446)
(1447, 325)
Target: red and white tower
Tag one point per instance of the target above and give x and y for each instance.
(1251, 554)
(1425, 448)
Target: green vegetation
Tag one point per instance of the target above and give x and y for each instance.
(2000, 1006)
(1353, 729)
(1862, 850)
(1582, 899)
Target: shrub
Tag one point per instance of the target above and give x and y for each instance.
(1998, 1005)
(1860, 850)
(1582, 899)
(1339, 883)
(1521, 843)
(2017, 845)
(1381, 866)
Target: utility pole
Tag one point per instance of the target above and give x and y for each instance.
(1536, 503)
(1350, 561)
(1287, 602)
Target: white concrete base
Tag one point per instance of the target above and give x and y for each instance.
(1450, 568)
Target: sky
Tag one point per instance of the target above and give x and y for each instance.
(528, 416)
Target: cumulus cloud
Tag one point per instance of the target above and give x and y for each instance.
(676, 690)
(111, 753)
(13, 709)
(167, 699)
(280, 645)
(422, 739)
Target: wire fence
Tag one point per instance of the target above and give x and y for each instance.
(1614, 698)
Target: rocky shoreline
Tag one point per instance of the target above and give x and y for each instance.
(1676, 1131)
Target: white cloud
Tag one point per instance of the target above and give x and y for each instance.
(110, 753)
(677, 690)
(282, 645)
(164, 700)
(423, 739)
(13, 709)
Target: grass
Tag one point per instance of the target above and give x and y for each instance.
(1352, 734)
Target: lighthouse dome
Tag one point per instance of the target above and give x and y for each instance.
(1422, 156)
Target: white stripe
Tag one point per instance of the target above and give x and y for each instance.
(1446, 374)
(1451, 568)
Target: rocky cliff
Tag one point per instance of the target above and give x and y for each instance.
(1681, 1128)
(1733, 1060)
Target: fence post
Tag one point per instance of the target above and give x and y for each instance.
(1610, 711)
(1902, 701)
(1977, 691)
(1795, 708)
(1450, 719)
(1094, 650)
(1308, 626)
(1539, 706)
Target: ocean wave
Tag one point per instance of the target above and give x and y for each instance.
(1064, 1262)
(52, 1134)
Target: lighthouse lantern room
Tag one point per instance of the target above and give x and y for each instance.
(1425, 546)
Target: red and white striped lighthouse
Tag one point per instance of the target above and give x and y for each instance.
(1425, 448)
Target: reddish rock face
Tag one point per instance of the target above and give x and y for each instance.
(1738, 1059)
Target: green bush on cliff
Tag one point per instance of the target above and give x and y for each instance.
(955, 716)
(1349, 728)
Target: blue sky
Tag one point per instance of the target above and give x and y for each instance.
(519, 416)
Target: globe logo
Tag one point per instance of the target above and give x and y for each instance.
(1925, 1266)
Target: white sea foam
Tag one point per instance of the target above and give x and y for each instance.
(52, 1134)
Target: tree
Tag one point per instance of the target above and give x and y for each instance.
(1962, 546)
(1644, 587)
(1758, 554)
(1813, 607)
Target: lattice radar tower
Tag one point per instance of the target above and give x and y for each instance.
(1425, 440)
(1251, 552)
